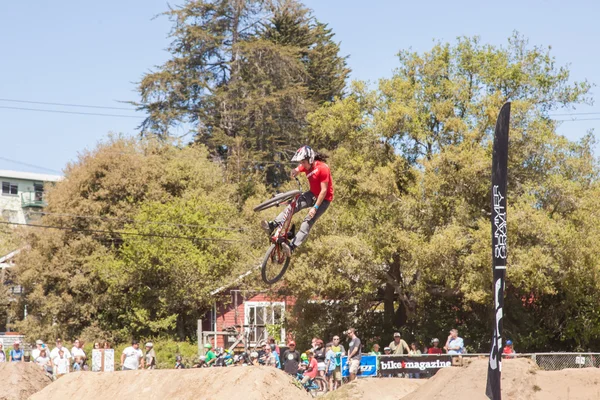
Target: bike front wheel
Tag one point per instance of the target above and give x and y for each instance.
(274, 264)
(318, 387)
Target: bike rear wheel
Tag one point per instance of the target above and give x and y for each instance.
(321, 387)
(274, 264)
(280, 198)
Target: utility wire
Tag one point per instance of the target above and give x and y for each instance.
(132, 221)
(66, 228)
(29, 165)
(66, 104)
(70, 112)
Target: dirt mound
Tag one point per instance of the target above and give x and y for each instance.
(518, 382)
(251, 383)
(377, 389)
(20, 380)
(521, 380)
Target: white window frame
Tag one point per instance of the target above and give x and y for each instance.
(266, 304)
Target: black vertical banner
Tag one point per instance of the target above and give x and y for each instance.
(499, 251)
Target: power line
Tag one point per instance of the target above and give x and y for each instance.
(126, 220)
(29, 165)
(67, 104)
(70, 112)
(576, 113)
(66, 228)
(577, 119)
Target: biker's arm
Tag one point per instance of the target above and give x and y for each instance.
(322, 193)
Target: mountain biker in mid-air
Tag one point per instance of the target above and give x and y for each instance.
(317, 198)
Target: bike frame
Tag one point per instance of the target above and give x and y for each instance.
(281, 234)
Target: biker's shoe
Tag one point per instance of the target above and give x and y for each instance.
(268, 226)
(288, 249)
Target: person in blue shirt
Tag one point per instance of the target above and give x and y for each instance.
(273, 347)
(16, 354)
(330, 364)
(454, 344)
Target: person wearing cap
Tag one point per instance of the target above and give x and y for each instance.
(291, 359)
(132, 357)
(16, 354)
(434, 349)
(211, 357)
(508, 350)
(454, 344)
(35, 353)
(150, 356)
(399, 346)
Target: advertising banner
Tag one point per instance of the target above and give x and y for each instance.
(392, 365)
(368, 367)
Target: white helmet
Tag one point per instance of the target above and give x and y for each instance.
(304, 153)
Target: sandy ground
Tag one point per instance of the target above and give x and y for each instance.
(248, 383)
(376, 389)
(521, 380)
(20, 380)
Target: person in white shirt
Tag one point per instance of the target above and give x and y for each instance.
(44, 361)
(35, 353)
(61, 363)
(77, 351)
(59, 346)
(132, 357)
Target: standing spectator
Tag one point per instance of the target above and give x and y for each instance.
(399, 346)
(329, 365)
(311, 369)
(354, 356)
(509, 351)
(435, 349)
(2, 354)
(414, 351)
(340, 352)
(150, 356)
(320, 353)
(77, 350)
(130, 359)
(277, 359)
(271, 340)
(35, 353)
(268, 357)
(16, 354)
(61, 363)
(59, 347)
(454, 344)
(291, 359)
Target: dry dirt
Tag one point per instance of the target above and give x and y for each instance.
(521, 380)
(248, 383)
(377, 389)
(20, 380)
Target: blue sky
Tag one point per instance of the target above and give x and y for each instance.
(93, 53)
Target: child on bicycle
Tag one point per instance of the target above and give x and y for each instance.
(312, 368)
(317, 198)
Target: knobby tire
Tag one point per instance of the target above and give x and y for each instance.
(280, 198)
(267, 260)
(322, 383)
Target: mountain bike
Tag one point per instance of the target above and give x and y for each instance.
(316, 387)
(276, 261)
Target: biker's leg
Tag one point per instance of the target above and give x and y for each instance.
(306, 199)
(307, 225)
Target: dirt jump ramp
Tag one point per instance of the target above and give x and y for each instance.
(248, 383)
(20, 380)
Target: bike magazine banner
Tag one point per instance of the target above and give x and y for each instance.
(368, 367)
(393, 365)
(499, 251)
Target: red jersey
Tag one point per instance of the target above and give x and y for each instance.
(319, 173)
(315, 369)
(434, 350)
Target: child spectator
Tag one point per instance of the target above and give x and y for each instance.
(16, 354)
(311, 369)
(435, 349)
(61, 364)
(329, 365)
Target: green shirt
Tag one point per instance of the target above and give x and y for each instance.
(210, 356)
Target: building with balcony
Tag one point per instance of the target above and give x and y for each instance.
(23, 192)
